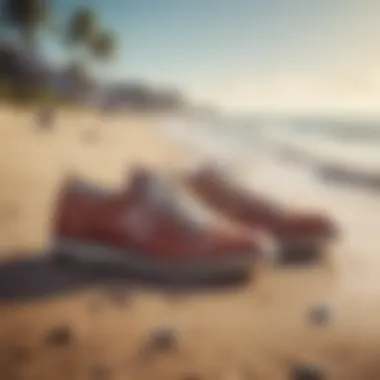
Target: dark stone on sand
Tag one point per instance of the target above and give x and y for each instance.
(99, 373)
(305, 372)
(319, 315)
(59, 336)
(191, 376)
(19, 354)
(163, 339)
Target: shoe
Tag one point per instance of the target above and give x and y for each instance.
(149, 230)
(301, 235)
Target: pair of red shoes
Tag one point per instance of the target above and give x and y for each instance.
(146, 228)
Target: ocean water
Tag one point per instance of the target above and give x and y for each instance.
(333, 166)
(354, 147)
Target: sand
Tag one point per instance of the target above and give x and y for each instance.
(325, 317)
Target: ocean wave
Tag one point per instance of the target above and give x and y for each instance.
(349, 162)
(354, 163)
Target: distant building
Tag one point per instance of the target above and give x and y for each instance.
(141, 96)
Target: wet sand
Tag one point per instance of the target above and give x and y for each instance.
(286, 323)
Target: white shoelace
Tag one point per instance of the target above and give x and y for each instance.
(162, 198)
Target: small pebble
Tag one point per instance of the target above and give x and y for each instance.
(99, 373)
(304, 372)
(59, 336)
(191, 376)
(319, 315)
(20, 354)
(163, 339)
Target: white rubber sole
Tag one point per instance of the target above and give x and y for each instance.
(108, 257)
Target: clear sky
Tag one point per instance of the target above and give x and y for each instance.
(247, 55)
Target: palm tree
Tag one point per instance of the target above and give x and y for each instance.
(26, 17)
(103, 45)
(87, 40)
(84, 34)
(82, 27)
(80, 31)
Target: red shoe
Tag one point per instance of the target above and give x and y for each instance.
(147, 230)
(301, 235)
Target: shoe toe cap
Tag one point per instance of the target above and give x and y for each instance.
(313, 225)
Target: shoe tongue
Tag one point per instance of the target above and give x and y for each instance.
(148, 186)
(140, 181)
(156, 193)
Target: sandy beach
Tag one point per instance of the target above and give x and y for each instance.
(325, 317)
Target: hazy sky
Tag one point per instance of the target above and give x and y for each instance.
(243, 55)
